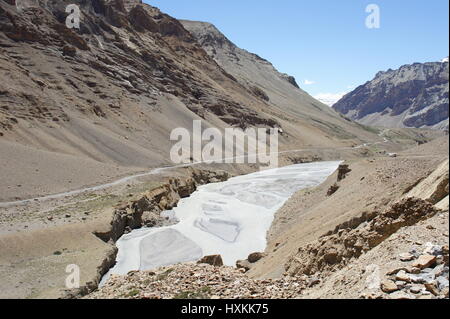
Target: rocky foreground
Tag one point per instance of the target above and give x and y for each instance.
(401, 266)
(198, 281)
(400, 252)
(424, 275)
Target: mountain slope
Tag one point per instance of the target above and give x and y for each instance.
(279, 90)
(112, 91)
(413, 96)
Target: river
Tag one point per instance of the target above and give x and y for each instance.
(229, 218)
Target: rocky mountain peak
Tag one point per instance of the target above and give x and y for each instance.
(208, 35)
(130, 4)
(221, 49)
(415, 95)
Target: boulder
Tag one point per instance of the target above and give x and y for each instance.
(254, 257)
(432, 287)
(403, 276)
(425, 261)
(388, 286)
(243, 264)
(406, 257)
(213, 260)
(396, 270)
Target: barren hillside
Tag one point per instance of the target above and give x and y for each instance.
(111, 92)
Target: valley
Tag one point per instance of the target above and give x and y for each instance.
(123, 156)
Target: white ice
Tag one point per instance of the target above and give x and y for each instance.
(229, 218)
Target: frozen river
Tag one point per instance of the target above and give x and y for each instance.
(229, 218)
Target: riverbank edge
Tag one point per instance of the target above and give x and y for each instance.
(131, 216)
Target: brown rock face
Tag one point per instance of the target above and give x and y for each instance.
(333, 189)
(142, 73)
(141, 20)
(130, 4)
(213, 260)
(334, 250)
(128, 61)
(343, 170)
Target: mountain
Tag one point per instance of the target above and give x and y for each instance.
(279, 90)
(415, 95)
(106, 96)
(85, 114)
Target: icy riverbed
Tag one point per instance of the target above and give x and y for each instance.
(229, 218)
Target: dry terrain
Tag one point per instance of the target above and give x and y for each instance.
(85, 121)
(378, 228)
(82, 107)
(371, 185)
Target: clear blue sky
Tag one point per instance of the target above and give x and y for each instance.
(326, 41)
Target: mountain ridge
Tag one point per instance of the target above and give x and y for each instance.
(280, 90)
(415, 95)
(112, 91)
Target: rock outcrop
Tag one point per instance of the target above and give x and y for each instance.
(434, 188)
(247, 264)
(213, 260)
(198, 281)
(146, 211)
(351, 240)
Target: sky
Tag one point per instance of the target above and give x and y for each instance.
(326, 44)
